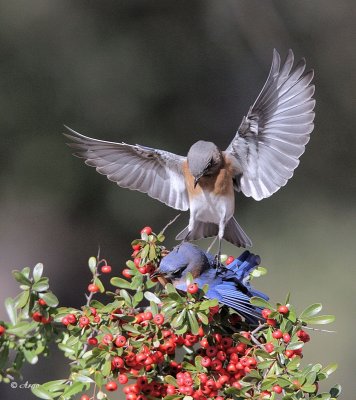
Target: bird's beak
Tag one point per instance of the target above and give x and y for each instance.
(196, 180)
(161, 277)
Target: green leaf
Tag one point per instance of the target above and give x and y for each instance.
(293, 364)
(11, 310)
(21, 278)
(179, 319)
(73, 389)
(100, 285)
(295, 345)
(310, 311)
(207, 304)
(153, 253)
(50, 299)
(194, 327)
(259, 302)
(320, 319)
(144, 252)
(152, 297)
(124, 294)
(54, 386)
(37, 272)
(42, 393)
(329, 369)
(41, 285)
(99, 380)
(283, 382)
(308, 388)
(170, 380)
(170, 288)
(137, 298)
(131, 328)
(4, 353)
(106, 369)
(203, 318)
(21, 299)
(121, 283)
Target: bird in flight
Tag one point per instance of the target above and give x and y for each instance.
(259, 160)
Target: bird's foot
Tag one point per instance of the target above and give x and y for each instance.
(217, 262)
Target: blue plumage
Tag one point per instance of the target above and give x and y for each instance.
(229, 285)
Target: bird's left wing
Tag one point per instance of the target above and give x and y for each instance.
(155, 172)
(273, 135)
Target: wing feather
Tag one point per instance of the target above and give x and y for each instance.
(155, 172)
(273, 135)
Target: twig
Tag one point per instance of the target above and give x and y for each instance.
(170, 223)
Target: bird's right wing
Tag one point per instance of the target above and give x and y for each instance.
(155, 172)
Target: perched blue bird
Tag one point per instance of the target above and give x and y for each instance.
(229, 285)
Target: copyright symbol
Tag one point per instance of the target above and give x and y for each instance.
(13, 385)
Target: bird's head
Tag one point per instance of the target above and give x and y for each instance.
(204, 158)
(183, 259)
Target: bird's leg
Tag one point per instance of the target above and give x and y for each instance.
(212, 244)
(217, 261)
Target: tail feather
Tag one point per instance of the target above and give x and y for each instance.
(233, 232)
(201, 230)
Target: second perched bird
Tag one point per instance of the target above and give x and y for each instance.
(260, 159)
(229, 285)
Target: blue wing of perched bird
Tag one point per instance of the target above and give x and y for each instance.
(230, 285)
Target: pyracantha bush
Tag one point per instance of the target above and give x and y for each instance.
(159, 343)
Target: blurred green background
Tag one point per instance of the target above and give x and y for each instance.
(165, 74)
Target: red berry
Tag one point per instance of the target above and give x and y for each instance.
(158, 319)
(143, 269)
(147, 230)
(229, 260)
(106, 269)
(123, 379)
(137, 261)
(72, 319)
(111, 386)
(136, 247)
(2, 330)
(193, 288)
(265, 394)
(92, 341)
(127, 273)
(277, 389)
(36, 316)
(92, 288)
(289, 353)
(42, 303)
(266, 313)
(107, 339)
(147, 315)
(84, 397)
(269, 347)
(278, 334)
(84, 321)
(271, 322)
(286, 338)
(65, 321)
(117, 363)
(46, 320)
(206, 362)
(303, 336)
(283, 309)
(120, 341)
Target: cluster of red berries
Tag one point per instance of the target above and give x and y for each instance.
(39, 316)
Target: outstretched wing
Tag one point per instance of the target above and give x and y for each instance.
(155, 172)
(273, 135)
